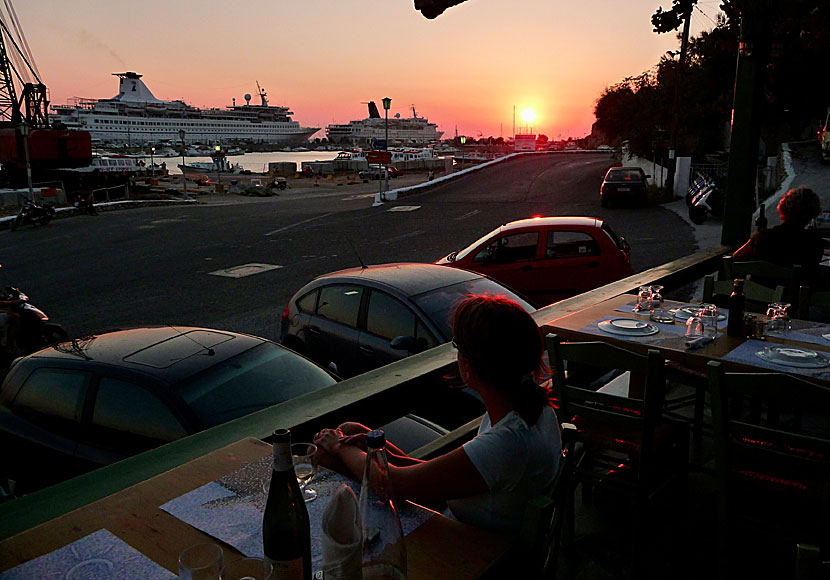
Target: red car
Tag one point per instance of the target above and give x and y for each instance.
(548, 258)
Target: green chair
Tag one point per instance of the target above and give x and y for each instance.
(629, 447)
(757, 295)
(772, 456)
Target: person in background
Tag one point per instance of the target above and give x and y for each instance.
(789, 243)
(516, 453)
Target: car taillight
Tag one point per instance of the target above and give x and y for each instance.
(285, 313)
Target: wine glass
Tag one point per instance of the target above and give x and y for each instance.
(304, 456)
(643, 299)
(778, 318)
(709, 317)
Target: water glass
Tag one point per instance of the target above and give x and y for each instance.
(656, 299)
(201, 562)
(778, 318)
(709, 318)
(643, 299)
(247, 569)
(694, 326)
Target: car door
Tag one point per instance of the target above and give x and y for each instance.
(572, 264)
(331, 334)
(510, 258)
(388, 318)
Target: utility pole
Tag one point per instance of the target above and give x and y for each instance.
(679, 77)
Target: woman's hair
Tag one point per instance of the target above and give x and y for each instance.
(504, 346)
(799, 206)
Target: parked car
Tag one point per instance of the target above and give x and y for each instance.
(85, 403)
(548, 258)
(362, 318)
(377, 172)
(624, 184)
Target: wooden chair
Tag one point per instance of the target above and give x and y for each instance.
(757, 295)
(772, 459)
(629, 448)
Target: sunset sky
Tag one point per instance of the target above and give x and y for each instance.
(467, 69)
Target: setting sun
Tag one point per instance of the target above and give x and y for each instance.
(528, 115)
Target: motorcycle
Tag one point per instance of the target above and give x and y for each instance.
(708, 200)
(32, 213)
(35, 331)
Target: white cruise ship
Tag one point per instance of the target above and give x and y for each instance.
(136, 117)
(414, 130)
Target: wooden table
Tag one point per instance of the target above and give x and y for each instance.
(671, 345)
(441, 548)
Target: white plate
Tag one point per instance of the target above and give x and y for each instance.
(683, 313)
(628, 327)
(793, 357)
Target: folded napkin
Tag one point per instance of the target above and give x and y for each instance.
(341, 539)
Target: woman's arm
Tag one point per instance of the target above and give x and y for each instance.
(449, 476)
(746, 252)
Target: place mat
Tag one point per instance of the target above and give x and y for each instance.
(629, 309)
(230, 508)
(745, 354)
(805, 331)
(667, 331)
(101, 554)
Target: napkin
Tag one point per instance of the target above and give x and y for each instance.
(340, 536)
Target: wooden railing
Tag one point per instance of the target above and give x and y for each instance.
(374, 398)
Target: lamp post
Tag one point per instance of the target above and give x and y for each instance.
(218, 159)
(463, 140)
(184, 177)
(387, 102)
(152, 163)
(24, 132)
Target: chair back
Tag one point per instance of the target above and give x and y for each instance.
(813, 305)
(612, 414)
(772, 452)
(767, 274)
(541, 537)
(757, 295)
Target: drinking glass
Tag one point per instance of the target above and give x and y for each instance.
(304, 456)
(778, 318)
(694, 326)
(709, 318)
(656, 299)
(643, 299)
(247, 569)
(201, 562)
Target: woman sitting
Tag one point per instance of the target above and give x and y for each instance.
(515, 455)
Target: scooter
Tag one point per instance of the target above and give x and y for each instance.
(33, 213)
(709, 200)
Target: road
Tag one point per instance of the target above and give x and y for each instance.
(154, 265)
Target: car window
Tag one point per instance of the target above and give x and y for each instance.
(257, 378)
(439, 305)
(422, 331)
(613, 235)
(308, 303)
(127, 408)
(52, 394)
(565, 244)
(512, 248)
(388, 317)
(340, 303)
(625, 175)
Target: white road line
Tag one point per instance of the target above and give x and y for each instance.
(299, 224)
(405, 208)
(403, 237)
(245, 270)
(468, 214)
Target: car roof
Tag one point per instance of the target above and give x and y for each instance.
(582, 221)
(410, 278)
(169, 354)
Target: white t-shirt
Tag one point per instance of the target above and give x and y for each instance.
(517, 461)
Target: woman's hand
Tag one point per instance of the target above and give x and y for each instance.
(329, 440)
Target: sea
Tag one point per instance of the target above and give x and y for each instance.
(256, 162)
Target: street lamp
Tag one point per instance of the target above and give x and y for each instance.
(24, 132)
(463, 140)
(152, 163)
(387, 102)
(184, 177)
(218, 159)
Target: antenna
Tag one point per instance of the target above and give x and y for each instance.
(362, 265)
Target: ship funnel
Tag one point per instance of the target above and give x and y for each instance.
(373, 110)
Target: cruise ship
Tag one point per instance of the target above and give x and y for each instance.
(414, 130)
(136, 117)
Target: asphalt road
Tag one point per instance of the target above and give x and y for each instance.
(153, 265)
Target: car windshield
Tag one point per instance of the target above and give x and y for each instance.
(439, 305)
(466, 251)
(263, 376)
(624, 175)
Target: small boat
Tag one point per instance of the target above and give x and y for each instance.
(219, 164)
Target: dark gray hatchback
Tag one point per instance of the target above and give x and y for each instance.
(88, 402)
(362, 318)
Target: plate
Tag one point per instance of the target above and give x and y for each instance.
(628, 327)
(793, 356)
(683, 313)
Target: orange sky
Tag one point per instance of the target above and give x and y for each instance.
(467, 69)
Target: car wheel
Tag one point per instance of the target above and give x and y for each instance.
(53, 333)
(698, 214)
(18, 219)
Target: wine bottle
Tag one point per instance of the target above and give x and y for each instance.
(737, 302)
(384, 552)
(286, 533)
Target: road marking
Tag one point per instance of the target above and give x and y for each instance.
(405, 208)
(299, 223)
(403, 237)
(245, 270)
(357, 196)
(468, 214)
